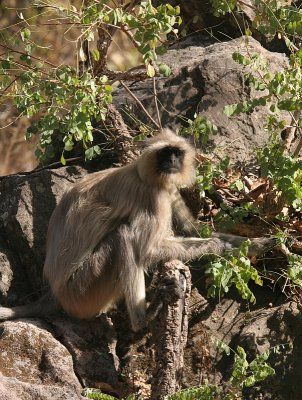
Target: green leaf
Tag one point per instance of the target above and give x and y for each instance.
(164, 70)
(25, 33)
(96, 54)
(68, 144)
(230, 110)
(241, 59)
(5, 64)
(92, 152)
(26, 58)
(63, 161)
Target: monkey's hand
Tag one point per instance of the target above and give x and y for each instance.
(261, 245)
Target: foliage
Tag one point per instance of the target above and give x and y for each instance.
(206, 173)
(284, 170)
(68, 104)
(221, 7)
(271, 17)
(96, 394)
(200, 127)
(233, 269)
(206, 392)
(280, 91)
(70, 100)
(244, 374)
(294, 271)
(227, 216)
(274, 16)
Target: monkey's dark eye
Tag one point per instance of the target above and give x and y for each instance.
(170, 159)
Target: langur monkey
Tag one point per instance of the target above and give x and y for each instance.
(113, 225)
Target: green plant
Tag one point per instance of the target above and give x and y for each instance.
(200, 127)
(68, 103)
(207, 171)
(294, 271)
(284, 170)
(227, 216)
(280, 91)
(234, 268)
(244, 374)
(205, 392)
(96, 394)
(68, 99)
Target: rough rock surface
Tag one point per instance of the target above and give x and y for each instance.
(271, 322)
(27, 202)
(34, 365)
(204, 80)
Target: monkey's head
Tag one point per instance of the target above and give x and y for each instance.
(168, 159)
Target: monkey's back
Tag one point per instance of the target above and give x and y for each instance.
(83, 220)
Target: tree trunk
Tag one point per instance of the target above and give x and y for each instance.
(169, 331)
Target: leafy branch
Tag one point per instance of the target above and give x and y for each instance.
(71, 100)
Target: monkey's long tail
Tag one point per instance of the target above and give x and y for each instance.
(43, 307)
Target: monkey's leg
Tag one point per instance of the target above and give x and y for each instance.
(132, 279)
(135, 296)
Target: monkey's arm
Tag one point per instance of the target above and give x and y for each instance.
(190, 248)
(183, 222)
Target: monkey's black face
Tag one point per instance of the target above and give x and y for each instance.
(170, 160)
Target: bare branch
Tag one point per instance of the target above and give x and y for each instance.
(140, 104)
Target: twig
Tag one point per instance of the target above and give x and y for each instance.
(156, 102)
(140, 104)
(130, 36)
(133, 74)
(290, 131)
(299, 146)
(9, 85)
(131, 5)
(103, 44)
(23, 53)
(297, 150)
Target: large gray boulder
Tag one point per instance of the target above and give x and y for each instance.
(204, 79)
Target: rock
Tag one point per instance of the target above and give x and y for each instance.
(92, 345)
(204, 80)
(27, 202)
(34, 365)
(256, 328)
